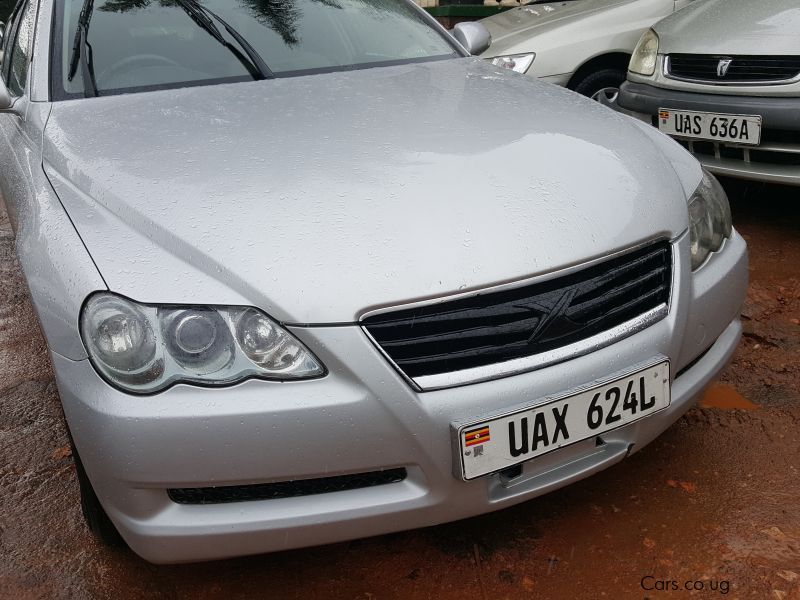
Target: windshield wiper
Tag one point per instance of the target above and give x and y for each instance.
(82, 51)
(200, 15)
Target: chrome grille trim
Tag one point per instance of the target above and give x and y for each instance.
(545, 359)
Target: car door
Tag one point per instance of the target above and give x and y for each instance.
(19, 138)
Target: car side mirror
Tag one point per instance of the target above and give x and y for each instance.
(473, 36)
(5, 98)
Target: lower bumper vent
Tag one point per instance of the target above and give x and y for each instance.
(284, 489)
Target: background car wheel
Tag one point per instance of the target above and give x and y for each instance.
(602, 85)
(93, 512)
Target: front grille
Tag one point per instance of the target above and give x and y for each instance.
(284, 489)
(497, 326)
(742, 69)
(777, 147)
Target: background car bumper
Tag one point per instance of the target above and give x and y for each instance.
(363, 417)
(776, 112)
(775, 160)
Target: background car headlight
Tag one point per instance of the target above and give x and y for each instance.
(146, 348)
(645, 55)
(709, 219)
(516, 62)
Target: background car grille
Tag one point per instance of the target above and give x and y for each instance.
(502, 325)
(744, 69)
(284, 489)
(777, 148)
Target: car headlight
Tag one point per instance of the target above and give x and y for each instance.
(145, 348)
(516, 62)
(645, 55)
(710, 220)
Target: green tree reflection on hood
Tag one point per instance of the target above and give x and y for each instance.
(281, 16)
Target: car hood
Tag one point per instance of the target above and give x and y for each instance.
(510, 26)
(317, 198)
(732, 27)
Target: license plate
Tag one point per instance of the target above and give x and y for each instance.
(738, 129)
(494, 444)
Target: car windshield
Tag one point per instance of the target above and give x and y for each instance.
(138, 45)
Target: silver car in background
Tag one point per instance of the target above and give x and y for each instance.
(584, 45)
(723, 78)
(286, 306)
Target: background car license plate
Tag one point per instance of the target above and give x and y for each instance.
(495, 444)
(740, 129)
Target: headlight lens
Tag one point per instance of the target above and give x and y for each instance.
(645, 55)
(709, 219)
(516, 62)
(146, 348)
(262, 343)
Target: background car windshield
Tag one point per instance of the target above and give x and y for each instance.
(150, 44)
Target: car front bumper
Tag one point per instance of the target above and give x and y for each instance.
(775, 160)
(364, 417)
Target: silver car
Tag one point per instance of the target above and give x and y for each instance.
(723, 77)
(584, 45)
(299, 286)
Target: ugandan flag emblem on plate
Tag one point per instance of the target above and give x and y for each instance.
(479, 435)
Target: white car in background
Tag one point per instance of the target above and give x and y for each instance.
(584, 45)
(723, 78)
